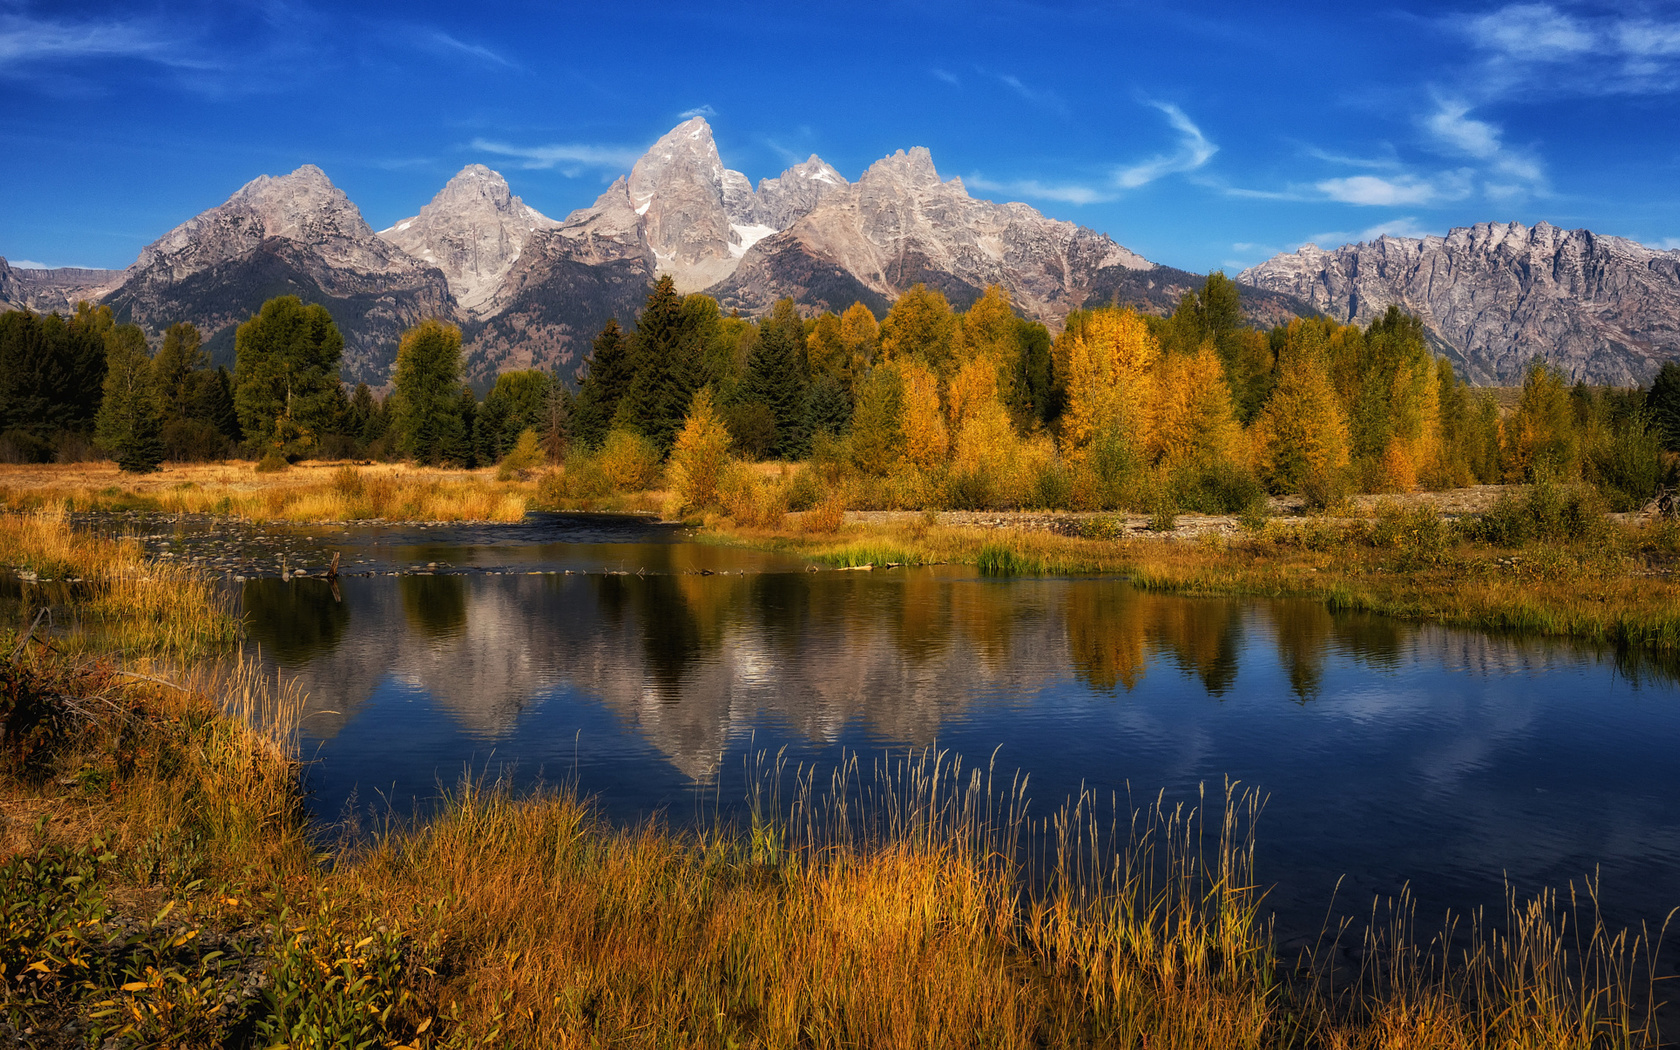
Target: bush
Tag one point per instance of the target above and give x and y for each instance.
(1628, 468)
(803, 490)
(1052, 486)
(1322, 489)
(971, 489)
(1549, 513)
(827, 517)
(20, 446)
(1220, 487)
(525, 456)
(628, 461)
(271, 463)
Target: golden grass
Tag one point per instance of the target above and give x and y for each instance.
(304, 493)
(115, 599)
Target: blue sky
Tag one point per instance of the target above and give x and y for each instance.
(1206, 135)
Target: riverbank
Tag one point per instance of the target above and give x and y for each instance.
(1612, 580)
(163, 885)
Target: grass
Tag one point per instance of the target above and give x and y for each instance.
(304, 493)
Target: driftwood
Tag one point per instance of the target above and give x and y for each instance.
(1666, 505)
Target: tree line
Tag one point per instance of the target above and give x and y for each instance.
(925, 406)
(78, 387)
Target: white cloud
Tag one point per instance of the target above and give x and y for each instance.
(569, 158)
(1406, 227)
(1538, 46)
(25, 40)
(1194, 150)
(1667, 244)
(1038, 96)
(698, 111)
(1398, 190)
(1452, 124)
(28, 264)
(1067, 193)
(1534, 32)
(443, 41)
(1509, 174)
(946, 75)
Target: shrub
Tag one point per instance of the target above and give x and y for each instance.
(525, 456)
(1549, 512)
(271, 463)
(627, 461)
(700, 456)
(1052, 486)
(1219, 487)
(827, 517)
(803, 490)
(1628, 468)
(972, 489)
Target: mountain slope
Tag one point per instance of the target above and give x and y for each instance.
(473, 230)
(296, 234)
(1603, 309)
(55, 290)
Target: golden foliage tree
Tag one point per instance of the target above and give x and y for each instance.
(923, 424)
(1195, 421)
(1539, 437)
(701, 454)
(1301, 435)
(860, 335)
(921, 325)
(991, 332)
(1111, 380)
(825, 350)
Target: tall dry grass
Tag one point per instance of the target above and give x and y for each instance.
(100, 594)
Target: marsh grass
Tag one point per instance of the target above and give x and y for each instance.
(302, 493)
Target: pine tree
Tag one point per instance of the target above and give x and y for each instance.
(426, 394)
(877, 423)
(1663, 402)
(130, 420)
(666, 360)
(609, 375)
(776, 377)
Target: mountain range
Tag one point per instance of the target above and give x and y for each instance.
(531, 291)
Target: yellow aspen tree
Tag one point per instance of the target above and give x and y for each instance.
(1111, 380)
(920, 324)
(925, 436)
(859, 334)
(1302, 432)
(1195, 421)
(825, 350)
(975, 382)
(991, 332)
(986, 443)
(700, 455)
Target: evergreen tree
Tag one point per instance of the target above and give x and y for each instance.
(178, 359)
(464, 449)
(1663, 402)
(877, 424)
(1036, 380)
(603, 385)
(517, 403)
(1301, 435)
(776, 377)
(426, 413)
(130, 419)
(360, 414)
(828, 410)
(52, 372)
(666, 359)
(286, 375)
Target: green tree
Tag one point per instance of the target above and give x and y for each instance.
(666, 359)
(602, 386)
(130, 420)
(1663, 402)
(426, 394)
(920, 324)
(776, 377)
(52, 371)
(877, 424)
(286, 375)
(517, 403)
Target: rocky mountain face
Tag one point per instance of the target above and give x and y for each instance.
(473, 230)
(294, 234)
(60, 289)
(531, 292)
(1603, 309)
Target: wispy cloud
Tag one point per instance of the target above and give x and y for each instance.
(698, 111)
(1038, 96)
(946, 75)
(1067, 193)
(28, 41)
(1541, 46)
(28, 264)
(1667, 244)
(1194, 150)
(1347, 160)
(440, 41)
(1398, 190)
(569, 158)
(1507, 173)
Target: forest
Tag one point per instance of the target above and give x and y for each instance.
(926, 407)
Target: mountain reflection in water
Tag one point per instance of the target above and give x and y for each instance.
(1391, 752)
